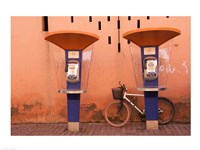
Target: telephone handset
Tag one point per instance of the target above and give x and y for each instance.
(72, 71)
(150, 68)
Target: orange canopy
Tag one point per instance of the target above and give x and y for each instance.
(72, 40)
(151, 36)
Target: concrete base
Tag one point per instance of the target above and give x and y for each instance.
(151, 124)
(73, 126)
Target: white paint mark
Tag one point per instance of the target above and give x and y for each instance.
(178, 71)
(170, 69)
(184, 64)
(163, 54)
(161, 68)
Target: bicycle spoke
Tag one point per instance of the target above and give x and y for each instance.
(165, 111)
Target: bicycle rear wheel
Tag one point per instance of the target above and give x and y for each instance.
(165, 110)
(117, 113)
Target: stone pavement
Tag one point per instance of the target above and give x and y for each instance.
(95, 129)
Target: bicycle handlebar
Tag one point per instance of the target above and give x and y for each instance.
(120, 83)
(122, 86)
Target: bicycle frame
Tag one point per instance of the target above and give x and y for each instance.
(113, 117)
(125, 98)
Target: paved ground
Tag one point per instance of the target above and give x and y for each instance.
(91, 129)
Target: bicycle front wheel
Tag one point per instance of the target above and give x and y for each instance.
(165, 110)
(117, 114)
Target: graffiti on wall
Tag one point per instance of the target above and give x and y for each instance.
(172, 69)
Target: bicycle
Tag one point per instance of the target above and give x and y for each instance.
(118, 113)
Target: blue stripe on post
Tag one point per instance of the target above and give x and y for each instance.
(73, 107)
(151, 105)
(73, 100)
(151, 97)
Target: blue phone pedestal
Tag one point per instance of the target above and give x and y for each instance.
(77, 62)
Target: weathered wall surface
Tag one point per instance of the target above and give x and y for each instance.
(37, 67)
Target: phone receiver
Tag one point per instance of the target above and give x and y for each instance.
(66, 68)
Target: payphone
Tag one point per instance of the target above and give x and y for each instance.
(145, 46)
(150, 68)
(72, 71)
(77, 65)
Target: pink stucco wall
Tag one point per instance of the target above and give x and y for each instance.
(34, 69)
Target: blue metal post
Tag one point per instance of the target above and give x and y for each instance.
(151, 97)
(73, 100)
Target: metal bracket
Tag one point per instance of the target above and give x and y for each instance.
(71, 91)
(152, 89)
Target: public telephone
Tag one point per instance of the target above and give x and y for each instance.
(72, 71)
(150, 68)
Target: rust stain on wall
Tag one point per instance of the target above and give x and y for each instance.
(14, 111)
(182, 112)
(28, 107)
(90, 113)
(63, 113)
(98, 116)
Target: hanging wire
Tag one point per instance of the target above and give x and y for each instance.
(118, 27)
